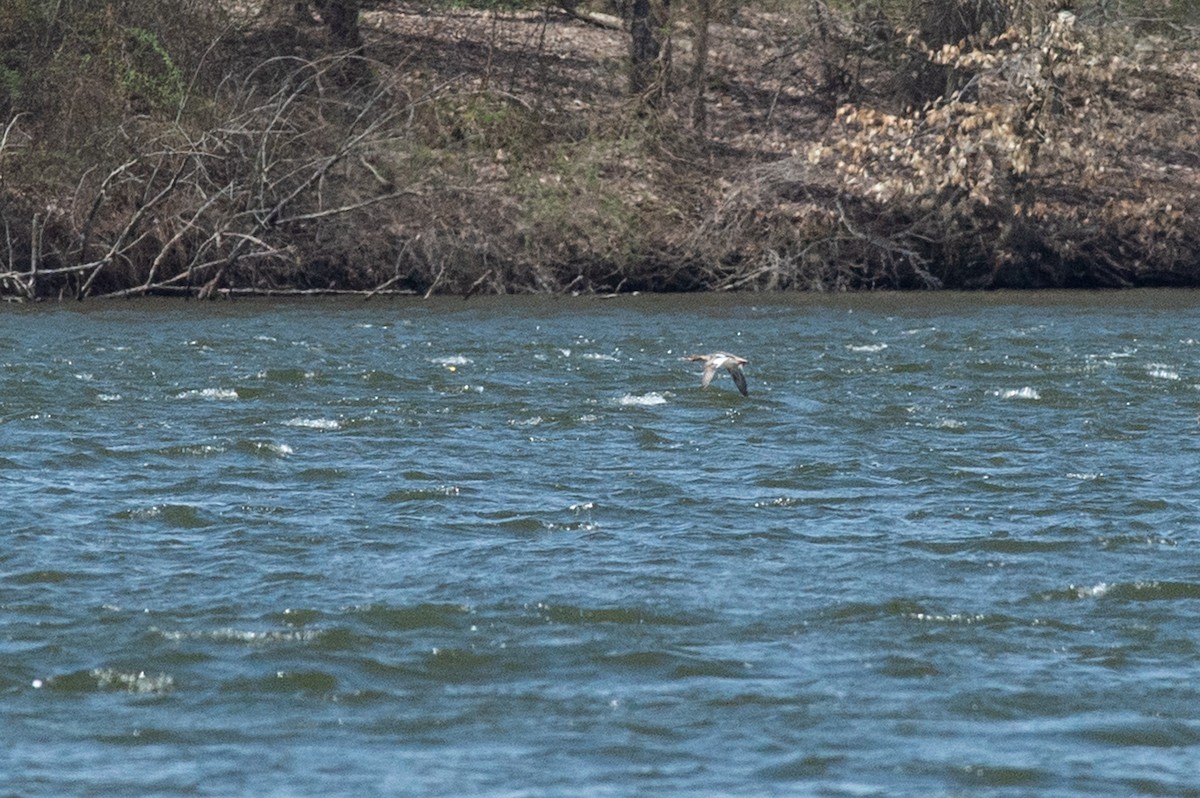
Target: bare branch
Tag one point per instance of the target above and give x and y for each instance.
(8, 130)
(119, 245)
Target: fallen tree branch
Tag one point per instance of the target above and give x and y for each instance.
(165, 248)
(354, 206)
(247, 291)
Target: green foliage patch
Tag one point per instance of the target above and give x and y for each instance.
(146, 70)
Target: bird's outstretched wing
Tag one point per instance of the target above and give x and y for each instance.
(710, 369)
(739, 379)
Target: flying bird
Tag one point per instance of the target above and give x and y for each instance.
(724, 360)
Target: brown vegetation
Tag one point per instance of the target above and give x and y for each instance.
(169, 148)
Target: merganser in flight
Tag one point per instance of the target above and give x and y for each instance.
(724, 360)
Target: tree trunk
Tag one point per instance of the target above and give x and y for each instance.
(947, 22)
(342, 18)
(648, 65)
(700, 64)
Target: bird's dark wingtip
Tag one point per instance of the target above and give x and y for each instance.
(739, 379)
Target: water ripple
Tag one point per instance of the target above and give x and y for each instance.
(947, 545)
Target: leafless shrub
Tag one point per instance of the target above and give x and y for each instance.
(233, 205)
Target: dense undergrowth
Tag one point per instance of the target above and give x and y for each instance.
(181, 147)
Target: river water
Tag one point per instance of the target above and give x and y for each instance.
(949, 545)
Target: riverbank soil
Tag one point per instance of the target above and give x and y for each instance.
(499, 150)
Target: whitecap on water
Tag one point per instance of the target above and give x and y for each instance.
(601, 356)
(281, 449)
(220, 394)
(1160, 371)
(243, 636)
(1094, 591)
(452, 360)
(645, 400)
(866, 347)
(532, 421)
(949, 618)
(1019, 393)
(110, 679)
(314, 423)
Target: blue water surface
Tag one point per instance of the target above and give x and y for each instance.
(949, 545)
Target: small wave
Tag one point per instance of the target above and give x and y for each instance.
(966, 618)
(243, 636)
(1160, 371)
(417, 616)
(1074, 592)
(220, 394)
(1093, 591)
(192, 450)
(678, 665)
(314, 423)
(49, 576)
(582, 525)
(779, 501)
(108, 397)
(1142, 734)
(1151, 590)
(108, 679)
(619, 616)
(1019, 393)
(305, 682)
(600, 356)
(866, 347)
(287, 376)
(452, 360)
(903, 667)
(422, 494)
(1120, 541)
(266, 448)
(998, 544)
(518, 524)
(525, 422)
(178, 516)
(460, 663)
(644, 400)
